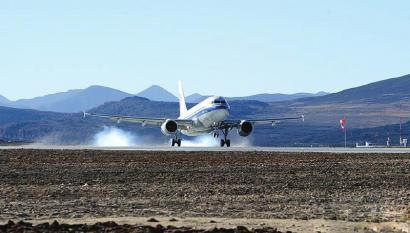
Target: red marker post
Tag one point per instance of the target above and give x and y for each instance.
(343, 123)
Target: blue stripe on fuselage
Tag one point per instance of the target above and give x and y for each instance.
(206, 110)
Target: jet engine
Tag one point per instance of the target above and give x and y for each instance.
(169, 127)
(245, 128)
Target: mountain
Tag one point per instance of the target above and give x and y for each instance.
(196, 98)
(278, 97)
(87, 99)
(4, 100)
(157, 93)
(72, 100)
(13, 115)
(376, 104)
(42, 102)
(372, 113)
(68, 128)
(84, 99)
(386, 91)
(47, 127)
(139, 106)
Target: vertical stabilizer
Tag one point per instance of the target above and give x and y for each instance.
(182, 105)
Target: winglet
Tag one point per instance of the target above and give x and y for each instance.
(303, 118)
(182, 105)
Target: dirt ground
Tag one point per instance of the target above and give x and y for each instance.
(299, 192)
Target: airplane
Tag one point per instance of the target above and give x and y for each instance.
(209, 116)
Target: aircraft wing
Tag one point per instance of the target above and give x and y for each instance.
(273, 121)
(142, 120)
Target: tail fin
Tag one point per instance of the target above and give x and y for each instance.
(182, 105)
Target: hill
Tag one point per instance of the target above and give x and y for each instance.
(376, 104)
(87, 99)
(138, 106)
(72, 100)
(4, 100)
(386, 91)
(84, 99)
(157, 93)
(64, 128)
(367, 117)
(196, 98)
(278, 97)
(68, 128)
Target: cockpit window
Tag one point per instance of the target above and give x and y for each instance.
(219, 102)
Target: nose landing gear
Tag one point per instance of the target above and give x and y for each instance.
(225, 141)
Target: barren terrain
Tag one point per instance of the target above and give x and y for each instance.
(301, 192)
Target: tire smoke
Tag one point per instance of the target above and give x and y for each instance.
(115, 137)
(201, 141)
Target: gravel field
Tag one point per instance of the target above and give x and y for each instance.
(82, 184)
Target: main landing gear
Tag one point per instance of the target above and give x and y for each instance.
(225, 141)
(176, 141)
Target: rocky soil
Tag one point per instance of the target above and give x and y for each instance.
(51, 184)
(114, 227)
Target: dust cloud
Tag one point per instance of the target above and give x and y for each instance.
(115, 137)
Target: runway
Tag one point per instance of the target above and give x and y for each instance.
(380, 150)
(306, 192)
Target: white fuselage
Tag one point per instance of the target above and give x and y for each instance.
(206, 116)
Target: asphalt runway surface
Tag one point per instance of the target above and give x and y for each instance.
(350, 150)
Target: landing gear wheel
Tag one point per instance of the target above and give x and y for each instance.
(222, 143)
(225, 141)
(176, 142)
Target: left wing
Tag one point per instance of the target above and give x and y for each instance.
(273, 121)
(142, 120)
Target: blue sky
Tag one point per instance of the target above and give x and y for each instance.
(232, 48)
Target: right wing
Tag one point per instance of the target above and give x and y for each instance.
(273, 121)
(182, 124)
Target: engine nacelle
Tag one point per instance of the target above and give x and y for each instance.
(169, 127)
(245, 128)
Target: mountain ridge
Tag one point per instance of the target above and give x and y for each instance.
(157, 93)
(263, 97)
(370, 117)
(277, 97)
(4, 100)
(70, 101)
(385, 91)
(76, 100)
